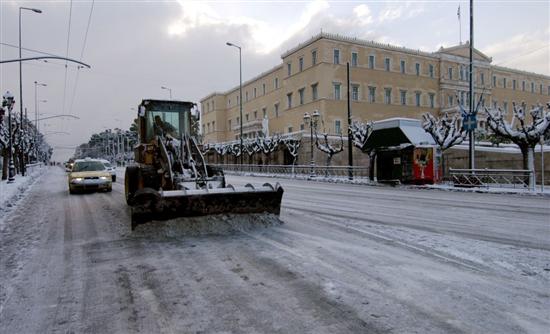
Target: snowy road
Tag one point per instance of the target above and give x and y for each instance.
(347, 259)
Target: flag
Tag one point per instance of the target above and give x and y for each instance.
(458, 12)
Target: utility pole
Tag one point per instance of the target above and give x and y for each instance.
(471, 88)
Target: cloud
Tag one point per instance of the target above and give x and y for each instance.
(396, 11)
(525, 51)
(264, 37)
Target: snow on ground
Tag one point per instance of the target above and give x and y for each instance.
(12, 193)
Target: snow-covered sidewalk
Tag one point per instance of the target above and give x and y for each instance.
(11, 193)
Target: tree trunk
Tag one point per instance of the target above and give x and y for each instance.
(528, 154)
(372, 159)
(5, 164)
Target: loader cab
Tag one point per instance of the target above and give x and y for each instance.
(159, 117)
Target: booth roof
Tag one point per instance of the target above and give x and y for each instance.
(397, 131)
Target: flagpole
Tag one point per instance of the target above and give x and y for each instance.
(459, 25)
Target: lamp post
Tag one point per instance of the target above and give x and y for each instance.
(240, 97)
(8, 101)
(36, 114)
(21, 82)
(168, 89)
(311, 121)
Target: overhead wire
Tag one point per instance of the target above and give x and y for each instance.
(82, 54)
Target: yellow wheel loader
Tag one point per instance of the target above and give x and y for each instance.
(170, 177)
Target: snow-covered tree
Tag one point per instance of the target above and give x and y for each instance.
(292, 145)
(446, 131)
(360, 133)
(328, 148)
(269, 145)
(526, 136)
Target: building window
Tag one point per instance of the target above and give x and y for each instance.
(289, 129)
(451, 100)
(302, 127)
(203, 128)
(354, 59)
(238, 120)
(532, 87)
(523, 86)
(462, 97)
(214, 126)
(371, 62)
(372, 94)
(482, 78)
(301, 92)
(313, 57)
(229, 124)
(289, 69)
(431, 69)
(336, 56)
(494, 81)
(238, 100)
(504, 83)
(461, 72)
(263, 89)
(548, 90)
(255, 114)
(246, 96)
(337, 91)
(314, 95)
(276, 109)
(246, 117)
(229, 102)
(417, 97)
(450, 73)
(208, 127)
(505, 107)
(417, 68)
(254, 92)
(495, 104)
(289, 100)
(432, 100)
(514, 84)
(264, 112)
(403, 66)
(355, 93)
(276, 83)
(387, 95)
(387, 64)
(301, 64)
(403, 94)
(540, 89)
(337, 127)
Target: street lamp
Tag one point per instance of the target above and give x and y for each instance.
(311, 121)
(36, 113)
(8, 101)
(240, 96)
(21, 81)
(168, 89)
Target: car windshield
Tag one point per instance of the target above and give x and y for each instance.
(88, 166)
(108, 165)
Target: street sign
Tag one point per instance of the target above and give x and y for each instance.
(469, 122)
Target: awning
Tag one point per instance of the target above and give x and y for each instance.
(397, 132)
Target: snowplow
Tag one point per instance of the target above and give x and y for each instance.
(170, 177)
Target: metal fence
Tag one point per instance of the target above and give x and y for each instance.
(31, 168)
(496, 178)
(302, 171)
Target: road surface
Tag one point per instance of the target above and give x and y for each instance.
(347, 259)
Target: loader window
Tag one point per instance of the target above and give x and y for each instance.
(160, 122)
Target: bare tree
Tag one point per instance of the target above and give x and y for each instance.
(446, 131)
(524, 135)
(361, 132)
(269, 145)
(328, 149)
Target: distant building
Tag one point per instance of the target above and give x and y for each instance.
(386, 81)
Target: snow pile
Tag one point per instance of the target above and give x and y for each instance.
(225, 224)
(11, 193)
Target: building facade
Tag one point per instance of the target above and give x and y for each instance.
(385, 81)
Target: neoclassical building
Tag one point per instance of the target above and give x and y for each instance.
(386, 81)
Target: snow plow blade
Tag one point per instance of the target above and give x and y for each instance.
(149, 204)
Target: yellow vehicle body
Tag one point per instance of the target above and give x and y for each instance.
(87, 180)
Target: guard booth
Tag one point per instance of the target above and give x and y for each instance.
(405, 153)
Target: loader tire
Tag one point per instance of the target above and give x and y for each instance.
(131, 183)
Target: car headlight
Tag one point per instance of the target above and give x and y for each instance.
(103, 178)
(76, 179)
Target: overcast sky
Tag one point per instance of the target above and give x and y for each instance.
(135, 47)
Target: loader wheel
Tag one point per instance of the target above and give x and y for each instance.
(131, 183)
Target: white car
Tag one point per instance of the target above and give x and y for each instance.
(110, 168)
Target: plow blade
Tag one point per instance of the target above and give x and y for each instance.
(149, 204)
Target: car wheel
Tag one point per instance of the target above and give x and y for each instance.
(71, 191)
(114, 178)
(109, 189)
